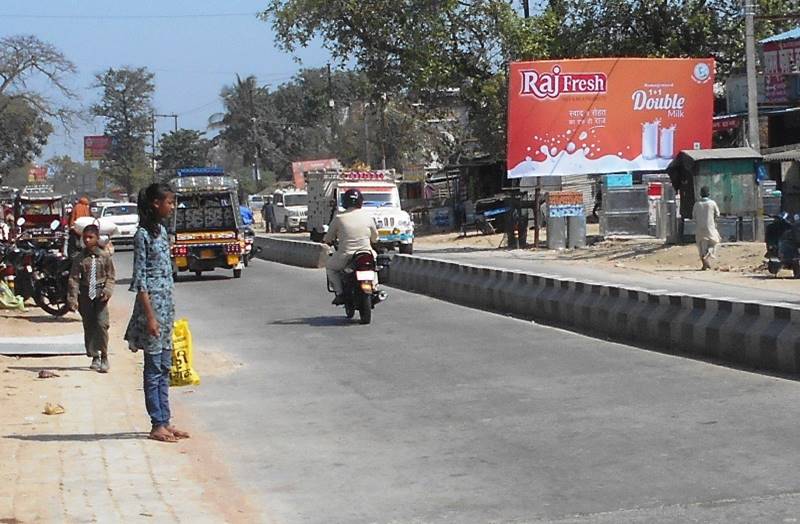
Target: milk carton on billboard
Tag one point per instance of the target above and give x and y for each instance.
(606, 115)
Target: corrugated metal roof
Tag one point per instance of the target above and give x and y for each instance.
(783, 156)
(728, 153)
(793, 34)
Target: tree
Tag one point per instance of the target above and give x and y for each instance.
(24, 58)
(23, 133)
(71, 177)
(182, 148)
(126, 106)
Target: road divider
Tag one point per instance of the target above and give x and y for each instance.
(743, 334)
(293, 252)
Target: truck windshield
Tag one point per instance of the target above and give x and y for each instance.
(295, 200)
(204, 212)
(377, 199)
(41, 208)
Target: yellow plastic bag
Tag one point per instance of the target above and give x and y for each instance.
(182, 372)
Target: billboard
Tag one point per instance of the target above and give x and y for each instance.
(37, 174)
(606, 115)
(780, 58)
(299, 168)
(96, 147)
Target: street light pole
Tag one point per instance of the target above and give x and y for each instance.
(752, 82)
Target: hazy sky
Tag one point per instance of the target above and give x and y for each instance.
(193, 57)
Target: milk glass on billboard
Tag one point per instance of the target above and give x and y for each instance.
(570, 117)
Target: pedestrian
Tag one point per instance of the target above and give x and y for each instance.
(705, 214)
(91, 283)
(150, 326)
(81, 209)
(268, 212)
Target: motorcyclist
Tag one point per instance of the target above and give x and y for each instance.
(355, 231)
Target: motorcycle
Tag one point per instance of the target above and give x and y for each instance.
(783, 244)
(37, 273)
(249, 239)
(361, 284)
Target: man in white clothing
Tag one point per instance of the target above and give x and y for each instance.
(355, 231)
(705, 214)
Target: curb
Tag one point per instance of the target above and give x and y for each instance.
(742, 334)
(292, 252)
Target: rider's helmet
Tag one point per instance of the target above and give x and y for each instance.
(352, 198)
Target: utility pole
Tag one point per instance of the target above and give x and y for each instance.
(331, 104)
(752, 82)
(366, 136)
(171, 115)
(526, 8)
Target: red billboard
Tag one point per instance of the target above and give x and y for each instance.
(569, 117)
(96, 147)
(299, 168)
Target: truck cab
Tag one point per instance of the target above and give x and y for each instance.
(381, 200)
(206, 226)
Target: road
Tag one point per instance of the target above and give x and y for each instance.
(438, 413)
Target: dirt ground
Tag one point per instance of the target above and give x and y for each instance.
(93, 463)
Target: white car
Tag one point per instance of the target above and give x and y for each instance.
(291, 210)
(126, 217)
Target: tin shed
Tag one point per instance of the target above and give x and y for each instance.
(730, 175)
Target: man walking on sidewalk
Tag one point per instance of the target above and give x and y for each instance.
(705, 214)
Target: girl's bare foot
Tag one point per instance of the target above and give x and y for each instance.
(177, 433)
(162, 434)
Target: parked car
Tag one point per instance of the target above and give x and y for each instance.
(126, 217)
(291, 210)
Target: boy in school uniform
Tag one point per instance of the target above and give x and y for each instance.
(91, 283)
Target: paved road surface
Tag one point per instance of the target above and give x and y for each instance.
(438, 413)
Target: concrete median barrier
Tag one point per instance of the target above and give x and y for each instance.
(292, 252)
(744, 334)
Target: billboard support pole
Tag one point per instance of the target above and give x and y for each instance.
(752, 86)
(537, 196)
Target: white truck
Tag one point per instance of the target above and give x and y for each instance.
(291, 210)
(381, 198)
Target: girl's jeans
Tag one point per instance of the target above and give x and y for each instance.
(156, 386)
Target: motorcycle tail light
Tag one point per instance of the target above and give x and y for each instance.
(364, 261)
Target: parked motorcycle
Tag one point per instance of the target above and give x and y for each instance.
(361, 284)
(37, 273)
(783, 244)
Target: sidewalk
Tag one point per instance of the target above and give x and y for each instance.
(94, 463)
(640, 263)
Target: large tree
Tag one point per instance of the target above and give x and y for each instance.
(126, 106)
(425, 48)
(26, 113)
(23, 133)
(182, 148)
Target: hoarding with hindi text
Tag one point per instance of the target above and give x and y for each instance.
(96, 147)
(592, 116)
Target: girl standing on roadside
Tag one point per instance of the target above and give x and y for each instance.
(150, 327)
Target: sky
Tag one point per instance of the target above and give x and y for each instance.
(193, 55)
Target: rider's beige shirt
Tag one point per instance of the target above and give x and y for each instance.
(355, 230)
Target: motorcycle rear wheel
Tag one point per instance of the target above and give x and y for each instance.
(365, 308)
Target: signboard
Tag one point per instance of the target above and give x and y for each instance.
(619, 180)
(564, 204)
(300, 168)
(37, 174)
(779, 61)
(570, 117)
(96, 147)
